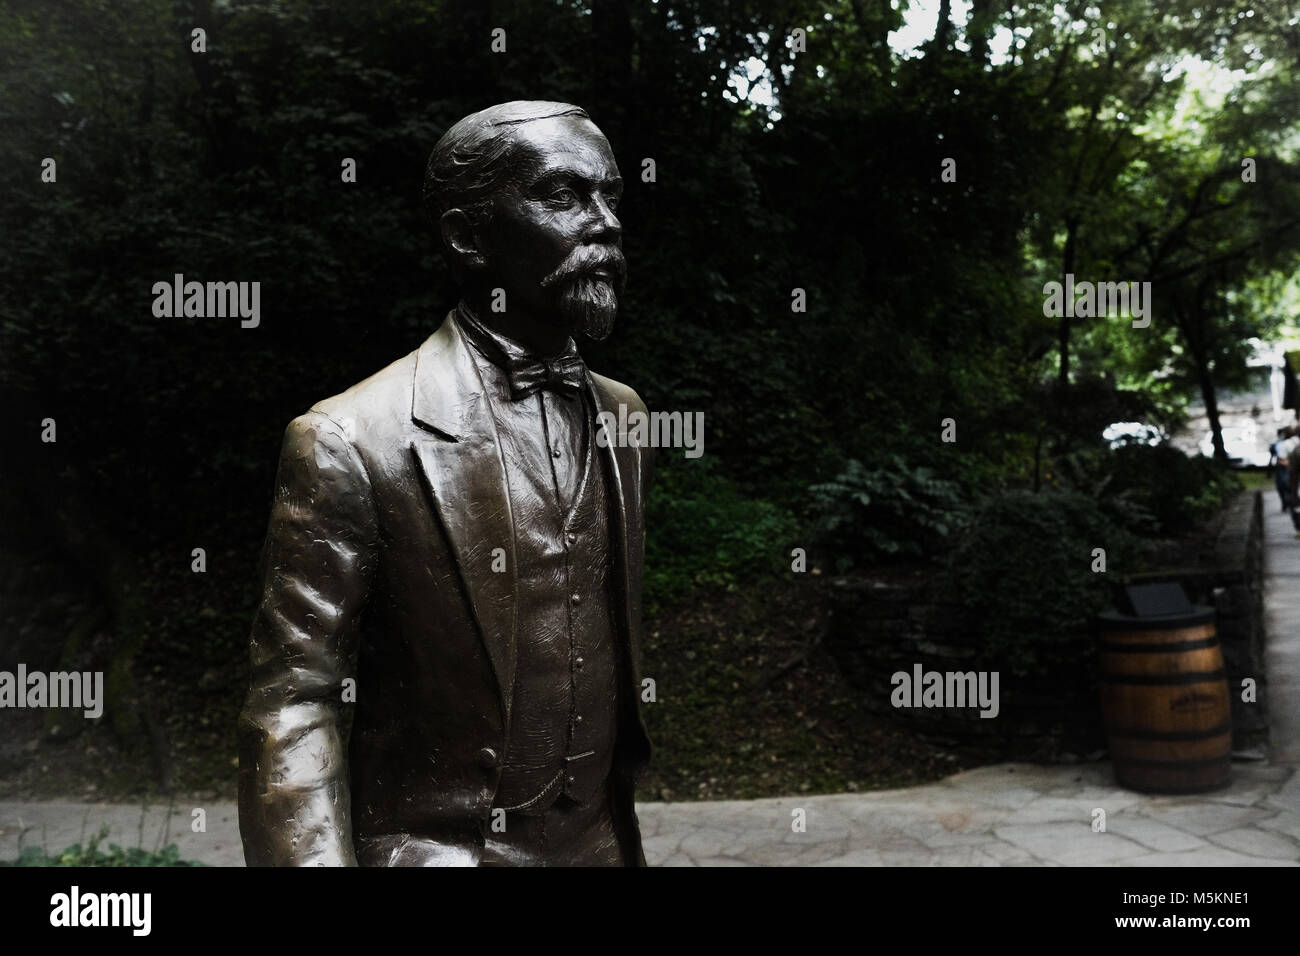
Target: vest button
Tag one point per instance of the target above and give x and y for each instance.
(487, 758)
(575, 599)
(578, 662)
(571, 537)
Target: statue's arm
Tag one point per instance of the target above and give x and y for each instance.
(294, 802)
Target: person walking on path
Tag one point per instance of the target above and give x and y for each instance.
(1288, 450)
(1282, 471)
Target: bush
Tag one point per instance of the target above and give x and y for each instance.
(703, 530)
(1177, 490)
(867, 514)
(1023, 573)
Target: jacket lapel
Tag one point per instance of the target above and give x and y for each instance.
(464, 473)
(624, 464)
(465, 476)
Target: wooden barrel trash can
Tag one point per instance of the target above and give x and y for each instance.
(1164, 701)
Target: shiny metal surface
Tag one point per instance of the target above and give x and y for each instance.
(452, 569)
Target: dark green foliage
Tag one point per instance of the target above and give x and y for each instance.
(92, 855)
(866, 514)
(1152, 490)
(1023, 573)
(923, 296)
(705, 530)
(1177, 490)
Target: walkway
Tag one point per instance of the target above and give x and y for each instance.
(1005, 815)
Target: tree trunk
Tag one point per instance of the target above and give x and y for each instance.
(977, 29)
(1063, 333)
(1190, 321)
(943, 27)
(1208, 395)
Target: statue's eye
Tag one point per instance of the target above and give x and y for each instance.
(564, 195)
(612, 200)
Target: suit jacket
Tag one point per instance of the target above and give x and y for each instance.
(390, 502)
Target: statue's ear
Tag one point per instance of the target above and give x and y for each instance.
(461, 237)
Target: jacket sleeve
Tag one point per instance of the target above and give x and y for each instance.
(294, 806)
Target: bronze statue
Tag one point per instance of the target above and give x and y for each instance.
(445, 658)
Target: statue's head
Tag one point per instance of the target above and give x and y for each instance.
(524, 194)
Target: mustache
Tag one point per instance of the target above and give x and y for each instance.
(587, 259)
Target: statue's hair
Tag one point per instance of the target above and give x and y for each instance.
(471, 162)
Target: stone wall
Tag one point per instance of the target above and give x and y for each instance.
(884, 624)
(879, 628)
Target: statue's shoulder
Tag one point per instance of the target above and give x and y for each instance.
(616, 393)
(375, 407)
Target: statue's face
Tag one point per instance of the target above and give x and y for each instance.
(553, 242)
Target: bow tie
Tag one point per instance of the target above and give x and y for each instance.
(525, 371)
(564, 374)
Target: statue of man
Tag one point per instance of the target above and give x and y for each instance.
(445, 658)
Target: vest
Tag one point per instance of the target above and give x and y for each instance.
(563, 719)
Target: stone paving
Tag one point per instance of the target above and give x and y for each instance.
(1004, 815)
(1282, 629)
(56, 825)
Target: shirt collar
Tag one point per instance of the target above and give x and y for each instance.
(500, 350)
